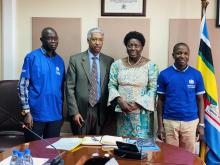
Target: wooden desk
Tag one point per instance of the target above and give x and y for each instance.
(168, 154)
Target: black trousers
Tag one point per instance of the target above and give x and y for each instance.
(44, 130)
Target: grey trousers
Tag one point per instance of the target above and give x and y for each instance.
(91, 126)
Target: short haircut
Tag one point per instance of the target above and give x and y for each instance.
(94, 30)
(45, 31)
(134, 35)
(180, 44)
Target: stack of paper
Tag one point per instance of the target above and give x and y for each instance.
(110, 140)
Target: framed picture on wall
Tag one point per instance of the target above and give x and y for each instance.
(218, 14)
(123, 7)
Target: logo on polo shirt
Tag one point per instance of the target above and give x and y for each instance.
(191, 81)
(58, 70)
(191, 84)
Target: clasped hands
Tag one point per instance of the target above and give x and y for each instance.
(127, 107)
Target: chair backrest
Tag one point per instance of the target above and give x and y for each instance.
(11, 132)
(9, 106)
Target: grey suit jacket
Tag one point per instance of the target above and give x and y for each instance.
(78, 83)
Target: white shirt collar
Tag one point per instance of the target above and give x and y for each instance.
(91, 55)
(180, 70)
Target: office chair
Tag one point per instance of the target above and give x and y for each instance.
(11, 132)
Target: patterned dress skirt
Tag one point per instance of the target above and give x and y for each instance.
(135, 124)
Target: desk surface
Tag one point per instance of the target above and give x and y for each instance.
(167, 155)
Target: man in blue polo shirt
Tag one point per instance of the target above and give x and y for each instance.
(180, 102)
(41, 88)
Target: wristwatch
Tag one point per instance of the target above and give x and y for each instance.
(25, 112)
(201, 125)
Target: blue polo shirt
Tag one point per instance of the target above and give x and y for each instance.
(180, 89)
(46, 76)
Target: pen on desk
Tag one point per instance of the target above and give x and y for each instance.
(95, 138)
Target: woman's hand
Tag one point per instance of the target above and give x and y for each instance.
(134, 106)
(125, 107)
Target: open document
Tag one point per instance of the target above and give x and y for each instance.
(101, 140)
(67, 143)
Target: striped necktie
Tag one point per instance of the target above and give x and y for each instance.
(93, 93)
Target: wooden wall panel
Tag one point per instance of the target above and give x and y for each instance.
(188, 30)
(69, 32)
(116, 28)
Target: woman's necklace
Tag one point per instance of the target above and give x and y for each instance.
(134, 63)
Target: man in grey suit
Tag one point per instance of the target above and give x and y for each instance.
(87, 86)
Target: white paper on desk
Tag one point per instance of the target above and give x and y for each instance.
(110, 140)
(37, 161)
(66, 143)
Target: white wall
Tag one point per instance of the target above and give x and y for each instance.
(88, 10)
(9, 57)
(159, 12)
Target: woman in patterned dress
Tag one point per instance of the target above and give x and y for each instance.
(132, 88)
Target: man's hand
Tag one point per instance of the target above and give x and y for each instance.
(200, 133)
(78, 120)
(28, 120)
(161, 133)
